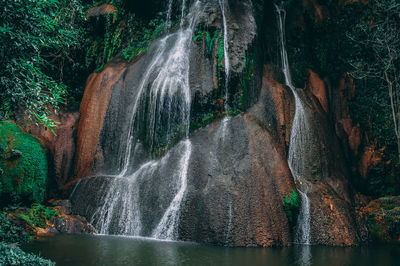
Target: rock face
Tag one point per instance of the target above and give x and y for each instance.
(238, 204)
(93, 110)
(60, 146)
(67, 223)
(237, 173)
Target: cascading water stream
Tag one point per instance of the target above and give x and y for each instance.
(299, 141)
(169, 14)
(164, 87)
(225, 121)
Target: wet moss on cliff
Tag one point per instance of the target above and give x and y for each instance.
(23, 166)
(291, 205)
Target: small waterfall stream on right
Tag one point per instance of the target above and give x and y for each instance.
(299, 141)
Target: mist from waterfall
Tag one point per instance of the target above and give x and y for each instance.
(299, 140)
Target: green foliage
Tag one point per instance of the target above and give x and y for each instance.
(291, 205)
(248, 75)
(202, 122)
(10, 233)
(220, 52)
(37, 37)
(37, 215)
(140, 35)
(12, 255)
(24, 166)
(377, 39)
(205, 35)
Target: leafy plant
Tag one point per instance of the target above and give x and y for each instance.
(37, 215)
(206, 36)
(10, 233)
(12, 255)
(36, 38)
(141, 36)
(291, 205)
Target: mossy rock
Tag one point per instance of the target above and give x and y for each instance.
(23, 164)
(383, 218)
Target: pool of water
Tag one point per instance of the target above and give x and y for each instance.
(112, 250)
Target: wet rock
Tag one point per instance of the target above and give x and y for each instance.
(278, 107)
(60, 145)
(72, 224)
(93, 109)
(63, 206)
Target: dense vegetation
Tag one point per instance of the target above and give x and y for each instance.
(12, 235)
(50, 47)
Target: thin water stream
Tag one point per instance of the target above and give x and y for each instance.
(299, 140)
(225, 121)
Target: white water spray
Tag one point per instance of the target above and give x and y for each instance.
(299, 141)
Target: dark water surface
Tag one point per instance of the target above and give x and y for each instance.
(112, 250)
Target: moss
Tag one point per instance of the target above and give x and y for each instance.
(291, 205)
(248, 75)
(24, 166)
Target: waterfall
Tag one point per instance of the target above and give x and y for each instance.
(299, 140)
(169, 14)
(164, 89)
(226, 66)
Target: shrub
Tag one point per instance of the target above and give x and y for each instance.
(10, 233)
(12, 255)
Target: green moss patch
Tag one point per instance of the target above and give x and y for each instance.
(291, 205)
(23, 163)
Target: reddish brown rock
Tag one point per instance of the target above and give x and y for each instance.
(103, 9)
(281, 99)
(318, 89)
(332, 222)
(346, 130)
(93, 110)
(369, 159)
(59, 145)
